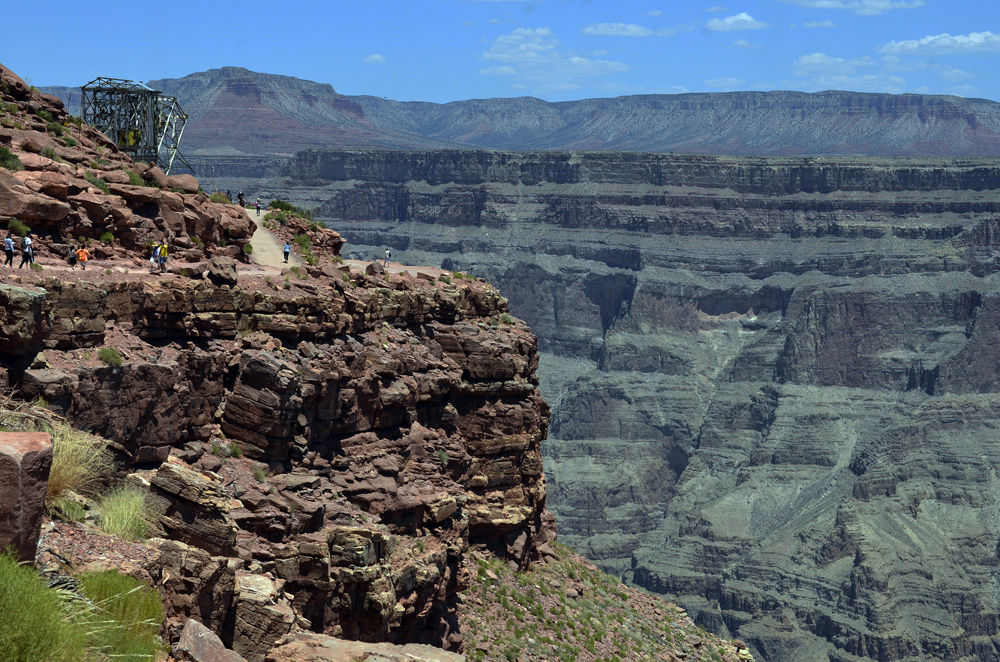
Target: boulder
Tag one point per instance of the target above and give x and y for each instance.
(25, 460)
(199, 644)
(374, 269)
(155, 174)
(186, 183)
(261, 618)
(321, 648)
(194, 583)
(222, 271)
(195, 507)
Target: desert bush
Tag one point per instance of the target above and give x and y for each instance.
(109, 355)
(107, 237)
(70, 141)
(128, 616)
(289, 207)
(36, 622)
(96, 181)
(506, 319)
(78, 461)
(248, 249)
(50, 153)
(235, 450)
(444, 279)
(443, 458)
(134, 178)
(221, 198)
(36, 267)
(260, 473)
(125, 512)
(55, 128)
(197, 241)
(46, 115)
(9, 160)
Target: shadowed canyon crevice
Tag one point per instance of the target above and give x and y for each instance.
(774, 381)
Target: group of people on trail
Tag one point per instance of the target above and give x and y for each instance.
(158, 259)
(79, 256)
(27, 251)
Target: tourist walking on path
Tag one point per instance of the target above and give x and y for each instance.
(27, 254)
(258, 206)
(82, 255)
(8, 250)
(163, 256)
(387, 255)
(287, 249)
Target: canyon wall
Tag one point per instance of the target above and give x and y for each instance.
(774, 381)
(390, 423)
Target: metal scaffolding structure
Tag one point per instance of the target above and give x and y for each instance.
(141, 121)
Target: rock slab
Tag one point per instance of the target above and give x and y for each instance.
(25, 461)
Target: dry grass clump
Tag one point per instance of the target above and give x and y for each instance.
(79, 459)
(124, 511)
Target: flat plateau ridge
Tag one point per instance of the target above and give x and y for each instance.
(236, 112)
(775, 381)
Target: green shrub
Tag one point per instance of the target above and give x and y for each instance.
(248, 249)
(97, 182)
(50, 153)
(235, 450)
(55, 128)
(45, 115)
(443, 458)
(9, 160)
(125, 512)
(289, 207)
(70, 141)
(109, 355)
(36, 624)
(107, 237)
(444, 279)
(18, 227)
(10, 107)
(260, 473)
(36, 267)
(197, 241)
(134, 178)
(98, 162)
(69, 510)
(78, 460)
(506, 319)
(127, 615)
(220, 198)
(73, 119)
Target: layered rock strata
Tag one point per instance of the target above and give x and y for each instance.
(376, 427)
(774, 381)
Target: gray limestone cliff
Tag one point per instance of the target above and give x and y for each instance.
(774, 381)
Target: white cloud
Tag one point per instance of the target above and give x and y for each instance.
(743, 43)
(820, 24)
(824, 65)
(375, 58)
(616, 30)
(741, 21)
(499, 71)
(823, 72)
(863, 7)
(536, 60)
(974, 42)
(727, 83)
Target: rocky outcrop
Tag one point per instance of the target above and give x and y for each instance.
(70, 183)
(312, 648)
(25, 459)
(772, 380)
(321, 455)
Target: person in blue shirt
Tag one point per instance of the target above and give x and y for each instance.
(287, 249)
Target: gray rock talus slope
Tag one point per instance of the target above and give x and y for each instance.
(775, 381)
(237, 113)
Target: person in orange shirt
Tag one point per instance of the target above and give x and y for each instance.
(82, 255)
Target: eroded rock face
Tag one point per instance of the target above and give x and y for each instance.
(25, 460)
(316, 648)
(774, 380)
(382, 428)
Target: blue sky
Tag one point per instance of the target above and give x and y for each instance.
(557, 50)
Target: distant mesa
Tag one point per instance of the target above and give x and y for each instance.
(236, 111)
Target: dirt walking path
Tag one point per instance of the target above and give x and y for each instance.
(268, 249)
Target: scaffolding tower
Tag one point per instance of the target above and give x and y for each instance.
(143, 122)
